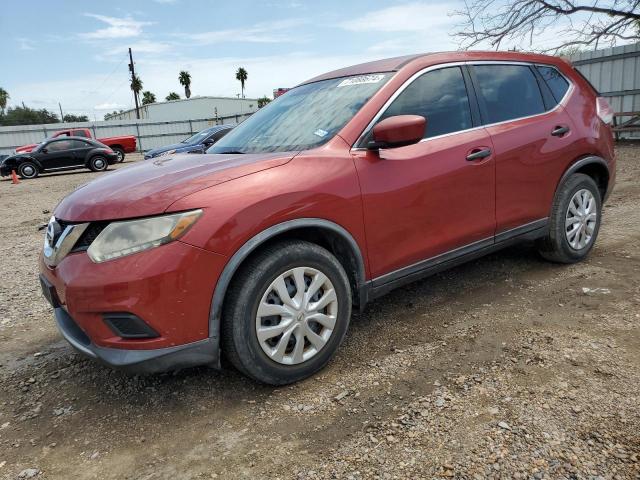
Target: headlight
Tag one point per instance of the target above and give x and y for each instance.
(169, 152)
(132, 236)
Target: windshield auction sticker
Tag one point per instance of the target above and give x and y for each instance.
(360, 79)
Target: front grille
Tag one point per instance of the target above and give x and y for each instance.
(89, 235)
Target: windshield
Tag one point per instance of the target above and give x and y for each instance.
(303, 118)
(197, 138)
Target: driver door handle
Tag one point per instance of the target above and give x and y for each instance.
(479, 154)
(560, 131)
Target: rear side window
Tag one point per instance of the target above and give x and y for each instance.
(508, 91)
(79, 144)
(441, 97)
(556, 82)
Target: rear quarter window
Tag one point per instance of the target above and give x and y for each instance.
(555, 81)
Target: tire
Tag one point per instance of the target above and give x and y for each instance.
(120, 153)
(252, 287)
(561, 244)
(28, 170)
(98, 163)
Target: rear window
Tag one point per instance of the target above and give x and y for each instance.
(556, 82)
(508, 91)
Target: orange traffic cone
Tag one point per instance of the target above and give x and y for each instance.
(14, 178)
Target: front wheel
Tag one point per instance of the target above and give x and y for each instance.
(575, 221)
(287, 312)
(28, 170)
(98, 164)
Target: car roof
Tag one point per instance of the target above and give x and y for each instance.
(62, 139)
(395, 64)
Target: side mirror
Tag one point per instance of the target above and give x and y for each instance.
(398, 131)
(208, 143)
(44, 150)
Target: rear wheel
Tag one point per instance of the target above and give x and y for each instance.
(287, 313)
(98, 163)
(120, 153)
(28, 170)
(575, 221)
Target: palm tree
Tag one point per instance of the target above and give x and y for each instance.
(136, 86)
(185, 80)
(172, 96)
(148, 97)
(4, 96)
(241, 76)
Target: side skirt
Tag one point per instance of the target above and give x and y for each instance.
(384, 284)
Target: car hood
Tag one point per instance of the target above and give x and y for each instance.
(166, 148)
(149, 188)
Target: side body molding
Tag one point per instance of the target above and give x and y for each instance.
(215, 314)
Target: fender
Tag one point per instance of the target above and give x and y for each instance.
(23, 158)
(215, 313)
(582, 162)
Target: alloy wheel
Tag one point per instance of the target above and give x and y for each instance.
(296, 315)
(28, 171)
(581, 219)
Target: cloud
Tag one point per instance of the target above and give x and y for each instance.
(144, 46)
(25, 43)
(117, 27)
(267, 32)
(109, 106)
(409, 17)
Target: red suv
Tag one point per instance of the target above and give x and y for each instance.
(347, 186)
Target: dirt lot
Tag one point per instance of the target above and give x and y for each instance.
(508, 367)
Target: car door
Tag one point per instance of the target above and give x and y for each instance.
(532, 139)
(433, 197)
(57, 154)
(79, 149)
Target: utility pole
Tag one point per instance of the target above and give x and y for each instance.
(61, 116)
(133, 75)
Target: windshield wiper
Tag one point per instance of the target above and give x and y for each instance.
(233, 152)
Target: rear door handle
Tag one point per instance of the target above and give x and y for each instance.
(559, 131)
(478, 154)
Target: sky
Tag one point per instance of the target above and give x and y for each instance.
(75, 52)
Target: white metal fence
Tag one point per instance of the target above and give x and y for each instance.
(150, 134)
(615, 73)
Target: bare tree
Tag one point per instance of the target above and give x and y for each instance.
(589, 23)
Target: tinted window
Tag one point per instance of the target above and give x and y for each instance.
(556, 82)
(79, 144)
(441, 97)
(59, 146)
(79, 133)
(509, 91)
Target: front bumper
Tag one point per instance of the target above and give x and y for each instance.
(169, 287)
(202, 352)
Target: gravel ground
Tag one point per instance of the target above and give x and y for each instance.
(507, 367)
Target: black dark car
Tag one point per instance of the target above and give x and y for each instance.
(197, 143)
(57, 154)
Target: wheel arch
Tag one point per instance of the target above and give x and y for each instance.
(323, 232)
(595, 167)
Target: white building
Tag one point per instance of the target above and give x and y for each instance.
(191, 109)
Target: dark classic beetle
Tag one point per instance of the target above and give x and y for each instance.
(58, 154)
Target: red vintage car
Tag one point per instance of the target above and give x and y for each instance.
(120, 145)
(349, 185)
